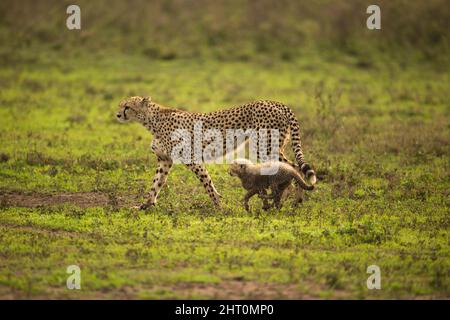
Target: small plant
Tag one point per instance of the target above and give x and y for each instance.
(327, 114)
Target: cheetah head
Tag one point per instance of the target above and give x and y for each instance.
(133, 109)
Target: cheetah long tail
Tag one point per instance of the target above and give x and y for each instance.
(297, 147)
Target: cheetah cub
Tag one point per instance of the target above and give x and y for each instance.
(257, 178)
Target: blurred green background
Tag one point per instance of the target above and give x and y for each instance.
(228, 30)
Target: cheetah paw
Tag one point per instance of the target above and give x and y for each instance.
(146, 206)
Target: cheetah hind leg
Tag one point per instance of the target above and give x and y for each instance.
(203, 175)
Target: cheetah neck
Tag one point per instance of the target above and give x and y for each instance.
(149, 123)
(157, 117)
(151, 119)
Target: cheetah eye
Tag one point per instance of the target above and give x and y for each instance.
(126, 108)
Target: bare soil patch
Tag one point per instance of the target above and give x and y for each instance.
(226, 289)
(80, 199)
(233, 289)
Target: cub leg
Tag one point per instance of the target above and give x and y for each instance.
(277, 192)
(247, 197)
(264, 196)
(282, 189)
(299, 193)
(277, 199)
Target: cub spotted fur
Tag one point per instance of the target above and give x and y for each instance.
(257, 178)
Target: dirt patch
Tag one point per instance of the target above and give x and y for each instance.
(226, 289)
(232, 289)
(79, 199)
(46, 231)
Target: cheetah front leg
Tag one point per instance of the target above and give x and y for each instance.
(203, 175)
(299, 193)
(160, 178)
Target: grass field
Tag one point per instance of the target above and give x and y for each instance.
(377, 133)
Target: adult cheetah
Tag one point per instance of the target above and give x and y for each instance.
(163, 121)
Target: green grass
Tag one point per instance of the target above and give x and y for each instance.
(378, 136)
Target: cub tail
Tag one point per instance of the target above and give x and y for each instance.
(298, 178)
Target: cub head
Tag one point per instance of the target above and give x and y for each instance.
(133, 109)
(239, 167)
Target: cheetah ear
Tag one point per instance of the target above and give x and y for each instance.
(146, 101)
